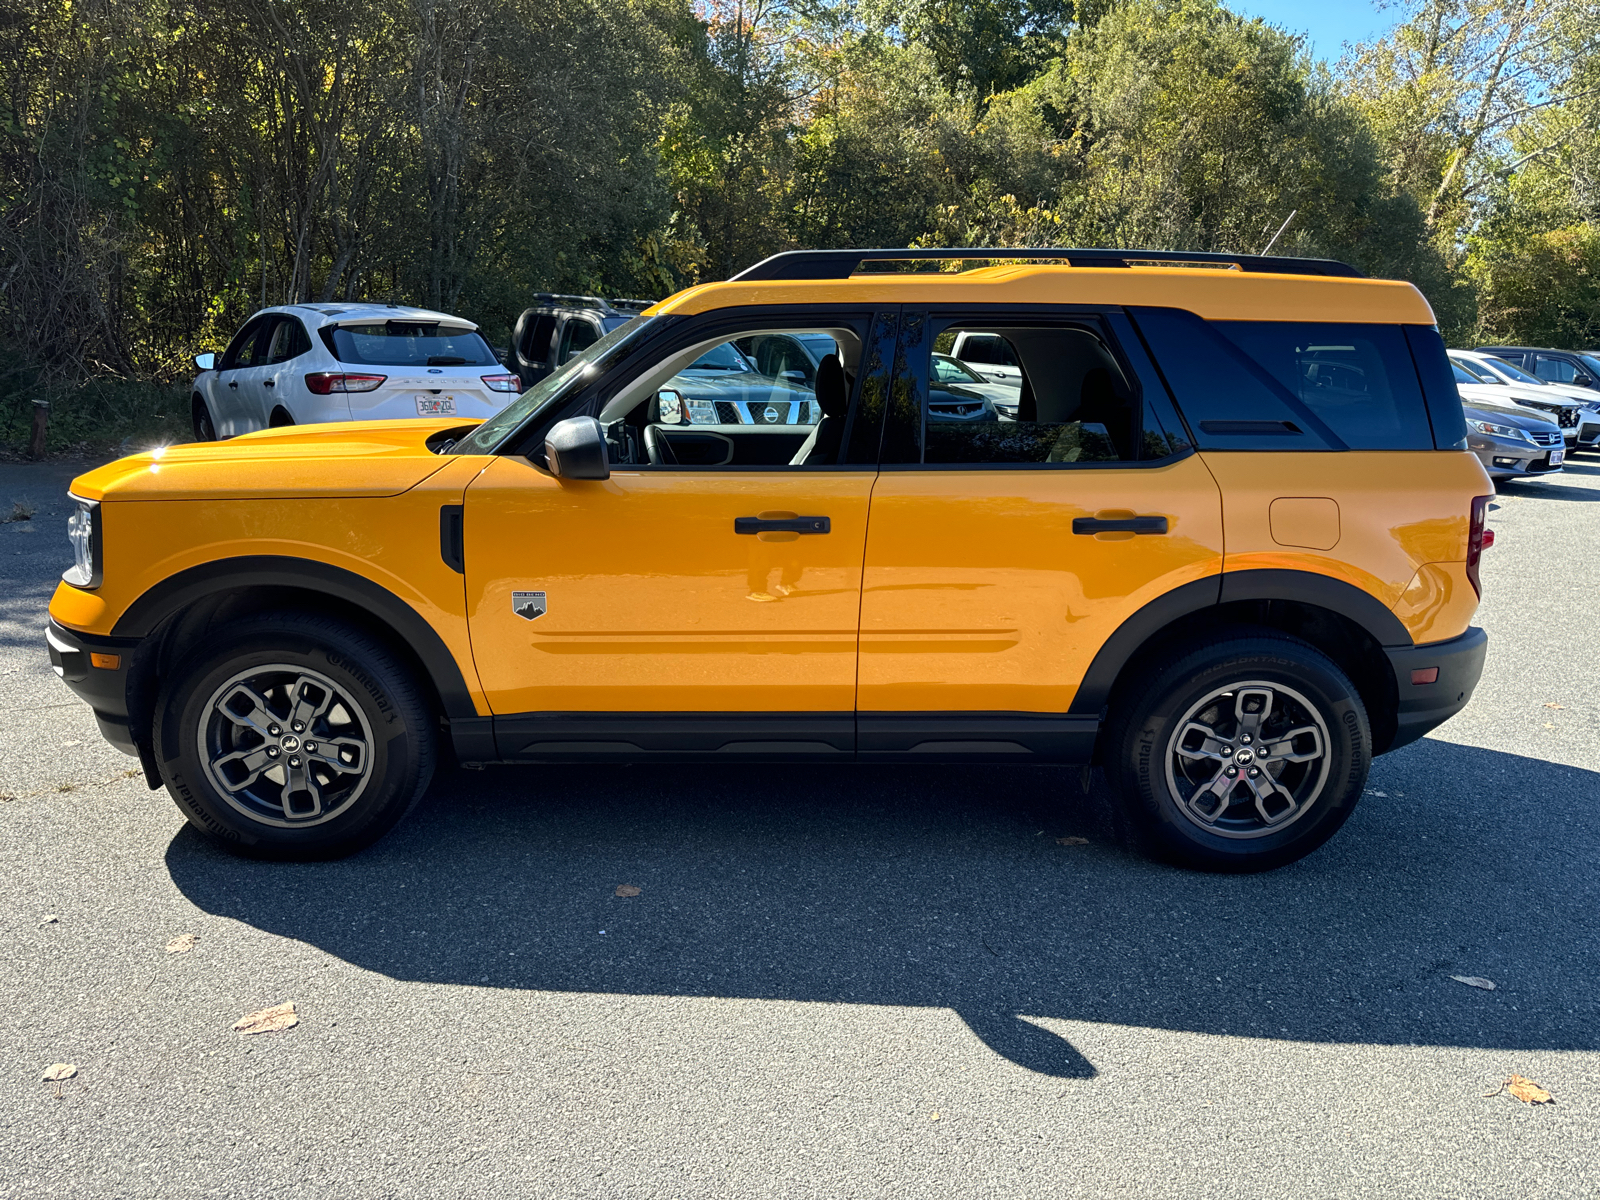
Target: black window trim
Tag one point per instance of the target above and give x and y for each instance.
(1137, 368)
(253, 326)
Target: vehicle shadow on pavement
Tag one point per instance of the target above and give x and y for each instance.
(1548, 491)
(947, 887)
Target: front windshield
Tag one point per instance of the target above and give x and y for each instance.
(553, 387)
(1592, 363)
(1517, 373)
(722, 358)
(1461, 376)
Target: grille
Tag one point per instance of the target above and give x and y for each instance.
(727, 413)
(1567, 418)
(1546, 439)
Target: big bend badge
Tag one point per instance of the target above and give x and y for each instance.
(529, 606)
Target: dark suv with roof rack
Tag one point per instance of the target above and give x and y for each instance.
(558, 327)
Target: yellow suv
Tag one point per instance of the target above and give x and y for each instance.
(1221, 538)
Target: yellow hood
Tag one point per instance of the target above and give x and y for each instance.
(350, 458)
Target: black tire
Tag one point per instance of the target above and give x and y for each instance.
(205, 429)
(1170, 770)
(346, 791)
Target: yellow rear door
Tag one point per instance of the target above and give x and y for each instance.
(1008, 542)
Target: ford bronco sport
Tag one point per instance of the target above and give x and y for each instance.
(1227, 549)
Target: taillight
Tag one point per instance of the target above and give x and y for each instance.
(502, 383)
(325, 383)
(1479, 539)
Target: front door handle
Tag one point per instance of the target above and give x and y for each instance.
(1092, 525)
(269, 383)
(233, 383)
(782, 525)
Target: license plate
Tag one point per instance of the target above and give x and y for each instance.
(1556, 457)
(436, 406)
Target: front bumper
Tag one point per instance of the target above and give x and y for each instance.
(1426, 705)
(1504, 458)
(104, 688)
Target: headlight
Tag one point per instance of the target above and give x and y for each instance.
(1505, 431)
(702, 412)
(83, 531)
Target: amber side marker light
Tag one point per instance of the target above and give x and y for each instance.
(106, 662)
(1425, 675)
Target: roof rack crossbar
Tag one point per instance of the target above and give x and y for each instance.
(841, 264)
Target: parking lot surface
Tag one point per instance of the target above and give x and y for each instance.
(833, 981)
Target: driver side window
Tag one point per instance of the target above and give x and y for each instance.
(760, 399)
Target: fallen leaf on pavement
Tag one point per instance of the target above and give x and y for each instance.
(1477, 981)
(56, 1072)
(183, 943)
(627, 889)
(1553, 704)
(1523, 1089)
(268, 1020)
(935, 1117)
(49, 919)
(1072, 841)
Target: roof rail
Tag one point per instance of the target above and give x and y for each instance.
(627, 305)
(574, 300)
(841, 264)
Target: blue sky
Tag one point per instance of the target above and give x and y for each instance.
(1329, 23)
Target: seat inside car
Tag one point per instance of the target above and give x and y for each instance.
(833, 397)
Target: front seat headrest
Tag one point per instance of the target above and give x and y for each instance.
(833, 397)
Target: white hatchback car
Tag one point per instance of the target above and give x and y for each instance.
(305, 363)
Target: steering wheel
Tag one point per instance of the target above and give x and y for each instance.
(657, 448)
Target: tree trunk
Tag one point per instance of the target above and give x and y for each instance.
(41, 419)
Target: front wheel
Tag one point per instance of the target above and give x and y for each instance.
(1242, 755)
(302, 738)
(205, 429)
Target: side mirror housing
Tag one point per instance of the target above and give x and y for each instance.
(794, 376)
(576, 449)
(206, 361)
(671, 408)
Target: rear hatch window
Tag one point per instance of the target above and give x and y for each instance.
(409, 344)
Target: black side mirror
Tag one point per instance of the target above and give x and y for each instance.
(576, 449)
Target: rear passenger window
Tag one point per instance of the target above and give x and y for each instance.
(1068, 399)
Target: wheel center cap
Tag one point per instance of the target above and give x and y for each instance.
(1245, 756)
(290, 743)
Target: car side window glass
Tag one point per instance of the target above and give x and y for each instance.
(1359, 379)
(1554, 370)
(243, 351)
(536, 340)
(288, 340)
(576, 337)
(1069, 401)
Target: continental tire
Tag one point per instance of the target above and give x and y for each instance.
(293, 737)
(1241, 755)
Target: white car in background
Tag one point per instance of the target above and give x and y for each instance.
(1580, 425)
(952, 378)
(300, 364)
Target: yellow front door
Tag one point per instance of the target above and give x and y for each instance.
(654, 601)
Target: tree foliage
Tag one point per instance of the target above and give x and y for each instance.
(168, 166)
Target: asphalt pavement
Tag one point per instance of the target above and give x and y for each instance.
(834, 981)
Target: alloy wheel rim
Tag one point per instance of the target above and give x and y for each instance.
(285, 746)
(1248, 760)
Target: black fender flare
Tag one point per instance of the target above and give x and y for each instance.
(187, 587)
(1303, 587)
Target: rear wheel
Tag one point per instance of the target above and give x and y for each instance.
(302, 739)
(205, 429)
(280, 417)
(1242, 755)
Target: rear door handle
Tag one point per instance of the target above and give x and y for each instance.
(1092, 525)
(269, 383)
(233, 383)
(785, 525)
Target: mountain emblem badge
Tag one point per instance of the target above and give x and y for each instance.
(528, 605)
